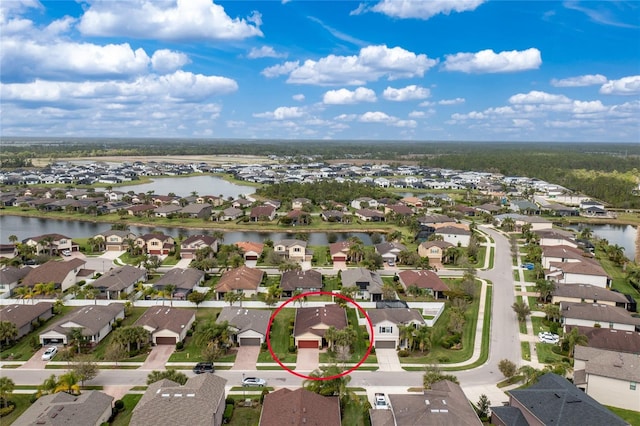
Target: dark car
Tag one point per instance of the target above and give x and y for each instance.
(203, 367)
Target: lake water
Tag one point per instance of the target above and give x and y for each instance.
(622, 235)
(25, 227)
(184, 186)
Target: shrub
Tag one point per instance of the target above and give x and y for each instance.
(292, 349)
(263, 394)
(228, 412)
(118, 405)
(6, 410)
(403, 353)
(443, 358)
(554, 327)
(179, 346)
(264, 346)
(228, 400)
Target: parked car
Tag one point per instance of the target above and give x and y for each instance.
(204, 367)
(253, 381)
(380, 402)
(66, 252)
(391, 263)
(548, 337)
(49, 353)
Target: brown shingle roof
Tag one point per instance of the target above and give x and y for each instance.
(588, 291)
(53, 271)
(292, 280)
(597, 312)
(307, 319)
(248, 246)
(613, 340)
(300, 407)
(422, 279)
(183, 279)
(21, 315)
(165, 318)
(242, 278)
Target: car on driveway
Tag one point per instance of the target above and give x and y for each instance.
(49, 353)
(66, 253)
(548, 337)
(253, 381)
(204, 367)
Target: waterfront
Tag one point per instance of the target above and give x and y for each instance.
(623, 235)
(185, 186)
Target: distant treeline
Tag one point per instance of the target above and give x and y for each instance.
(322, 191)
(606, 171)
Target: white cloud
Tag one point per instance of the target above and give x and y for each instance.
(265, 52)
(580, 81)
(371, 63)
(417, 114)
(487, 61)
(537, 97)
(167, 20)
(165, 60)
(180, 86)
(281, 69)
(420, 9)
(384, 118)
(408, 93)
(625, 86)
(298, 97)
(345, 117)
(456, 101)
(281, 113)
(346, 96)
(405, 123)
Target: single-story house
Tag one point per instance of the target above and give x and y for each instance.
(339, 252)
(167, 210)
(251, 250)
(369, 215)
(91, 407)
(10, 276)
(63, 274)
(184, 281)
(231, 213)
(305, 281)
(611, 378)
(263, 212)
(564, 254)
(95, 321)
(390, 250)
(24, 316)
(243, 280)
(249, 326)
(166, 325)
(197, 210)
(190, 245)
(386, 324)
(299, 407)
(368, 282)
(597, 315)
(312, 323)
(552, 400)
(556, 237)
(586, 272)
(200, 401)
(426, 280)
(119, 281)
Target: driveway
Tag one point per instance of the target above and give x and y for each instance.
(36, 362)
(308, 359)
(388, 360)
(158, 357)
(246, 358)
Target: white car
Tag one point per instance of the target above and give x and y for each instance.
(547, 337)
(49, 353)
(253, 381)
(66, 252)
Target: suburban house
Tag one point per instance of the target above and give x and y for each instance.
(291, 249)
(116, 240)
(444, 404)
(251, 250)
(425, 280)
(184, 280)
(368, 282)
(140, 209)
(156, 244)
(241, 203)
(556, 237)
(332, 216)
(10, 276)
(369, 215)
(339, 252)
(552, 400)
(26, 317)
(210, 199)
(230, 213)
(304, 281)
(190, 245)
(197, 211)
(243, 280)
(390, 251)
(95, 321)
(168, 210)
(455, 235)
(299, 203)
(611, 378)
(262, 213)
(248, 326)
(398, 210)
(8, 251)
(386, 326)
(62, 274)
(587, 293)
(200, 401)
(53, 244)
(537, 223)
(312, 323)
(364, 202)
(564, 254)
(610, 339)
(299, 407)
(435, 251)
(166, 325)
(119, 281)
(580, 272)
(91, 407)
(597, 315)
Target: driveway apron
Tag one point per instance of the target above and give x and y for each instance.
(158, 357)
(308, 359)
(388, 360)
(246, 358)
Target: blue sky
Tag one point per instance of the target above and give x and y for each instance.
(391, 70)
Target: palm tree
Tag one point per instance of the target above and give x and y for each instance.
(8, 332)
(13, 239)
(529, 374)
(6, 388)
(573, 339)
(407, 333)
(68, 382)
(423, 338)
(545, 289)
(586, 233)
(522, 310)
(169, 289)
(508, 224)
(330, 337)
(47, 242)
(331, 387)
(49, 385)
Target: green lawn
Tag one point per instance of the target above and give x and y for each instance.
(22, 350)
(245, 416)
(360, 346)
(281, 338)
(546, 354)
(21, 400)
(191, 352)
(124, 417)
(100, 349)
(632, 417)
(620, 281)
(526, 350)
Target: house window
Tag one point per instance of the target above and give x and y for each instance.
(632, 385)
(434, 251)
(383, 330)
(296, 249)
(611, 325)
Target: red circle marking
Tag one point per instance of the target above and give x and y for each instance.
(313, 293)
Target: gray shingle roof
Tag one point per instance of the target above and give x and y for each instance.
(615, 365)
(245, 319)
(597, 312)
(91, 318)
(397, 316)
(64, 409)
(119, 278)
(165, 318)
(292, 280)
(21, 315)
(588, 291)
(183, 279)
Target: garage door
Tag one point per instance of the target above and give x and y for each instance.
(385, 344)
(251, 257)
(249, 341)
(308, 344)
(166, 340)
